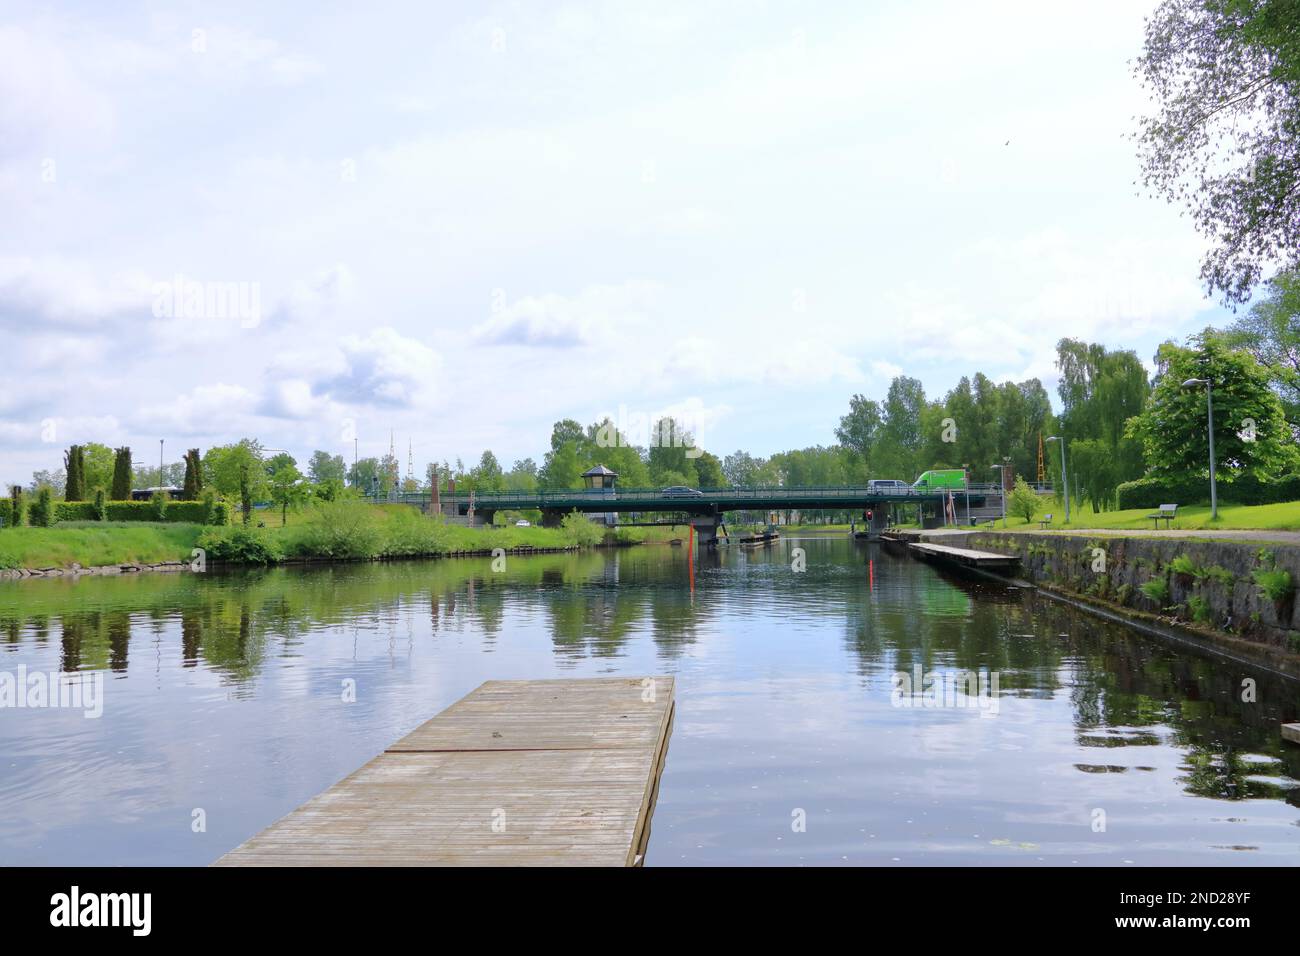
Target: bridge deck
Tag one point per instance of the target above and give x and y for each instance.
(980, 559)
(552, 772)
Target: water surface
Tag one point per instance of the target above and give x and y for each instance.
(225, 701)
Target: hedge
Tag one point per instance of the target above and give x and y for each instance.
(1246, 490)
(194, 512)
(75, 511)
(6, 509)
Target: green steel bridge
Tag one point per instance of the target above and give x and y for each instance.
(707, 502)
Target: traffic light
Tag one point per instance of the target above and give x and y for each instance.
(867, 514)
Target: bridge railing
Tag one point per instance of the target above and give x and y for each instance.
(792, 494)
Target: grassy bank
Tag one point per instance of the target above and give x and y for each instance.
(95, 543)
(346, 530)
(1276, 517)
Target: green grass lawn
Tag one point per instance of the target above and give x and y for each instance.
(92, 543)
(1278, 517)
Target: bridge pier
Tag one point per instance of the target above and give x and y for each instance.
(706, 530)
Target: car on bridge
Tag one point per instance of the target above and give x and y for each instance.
(888, 485)
(681, 491)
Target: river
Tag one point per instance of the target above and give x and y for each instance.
(230, 698)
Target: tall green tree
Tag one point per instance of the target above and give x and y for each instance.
(322, 466)
(1251, 436)
(121, 481)
(74, 488)
(1271, 332)
(1225, 79)
(859, 429)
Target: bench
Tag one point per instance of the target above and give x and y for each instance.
(1044, 521)
(1165, 513)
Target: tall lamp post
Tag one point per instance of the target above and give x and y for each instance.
(160, 463)
(1209, 404)
(1065, 481)
(1002, 484)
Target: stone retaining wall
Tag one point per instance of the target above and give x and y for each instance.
(1220, 596)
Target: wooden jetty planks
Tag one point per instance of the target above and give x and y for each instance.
(557, 772)
(983, 559)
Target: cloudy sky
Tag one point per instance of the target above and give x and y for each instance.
(463, 222)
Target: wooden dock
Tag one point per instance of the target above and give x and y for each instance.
(964, 556)
(517, 773)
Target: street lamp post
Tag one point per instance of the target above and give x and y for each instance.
(160, 463)
(1209, 404)
(965, 477)
(1065, 481)
(1002, 484)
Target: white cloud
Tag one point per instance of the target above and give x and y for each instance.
(598, 313)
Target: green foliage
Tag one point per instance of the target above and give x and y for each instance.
(121, 482)
(193, 485)
(1173, 425)
(75, 511)
(74, 463)
(42, 512)
(323, 467)
(1276, 584)
(93, 544)
(98, 509)
(1184, 565)
(407, 532)
(288, 490)
(1023, 501)
(241, 545)
(1225, 78)
(4, 513)
(1270, 331)
(228, 468)
(337, 529)
(580, 531)
(158, 506)
(1199, 608)
(17, 506)
(1157, 589)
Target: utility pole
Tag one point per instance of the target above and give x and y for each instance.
(160, 461)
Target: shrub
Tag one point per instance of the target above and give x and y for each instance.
(75, 511)
(580, 531)
(158, 506)
(17, 507)
(1157, 589)
(1023, 500)
(121, 489)
(1275, 584)
(99, 504)
(42, 513)
(407, 532)
(1244, 490)
(1199, 608)
(4, 512)
(1185, 566)
(338, 529)
(241, 545)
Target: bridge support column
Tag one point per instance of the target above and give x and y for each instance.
(706, 530)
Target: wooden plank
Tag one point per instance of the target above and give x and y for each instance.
(1291, 732)
(965, 555)
(517, 773)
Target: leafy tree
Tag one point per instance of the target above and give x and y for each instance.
(487, 476)
(1271, 332)
(741, 469)
(97, 463)
(1100, 391)
(56, 481)
(193, 486)
(709, 471)
(1251, 436)
(1023, 500)
(235, 469)
(859, 429)
(16, 506)
(364, 475)
(896, 452)
(121, 483)
(42, 512)
(286, 484)
(1225, 77)
(322, 466)
(672, 454)
(74, 488)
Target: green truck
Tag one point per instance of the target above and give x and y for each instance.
(940, 478)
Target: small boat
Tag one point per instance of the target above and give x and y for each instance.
(675, 542)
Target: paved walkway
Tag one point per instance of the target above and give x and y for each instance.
(1217, 534)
